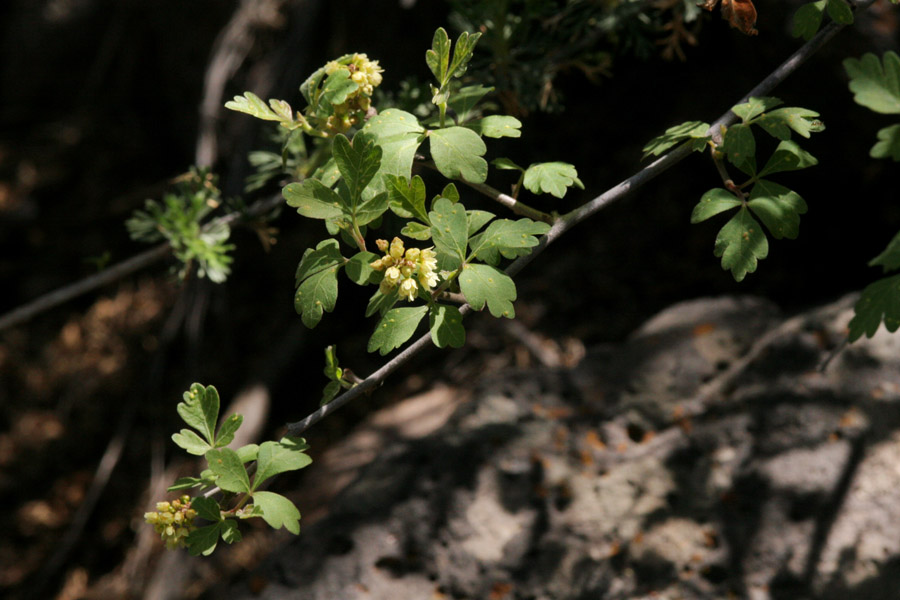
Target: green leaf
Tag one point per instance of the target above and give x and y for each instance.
(788, 156)
(477, 219)
(203, 540)
(247, 453)
(438, 57)
(372, 209)
(280, 457)
(691, 130)
(482, 284)
(449, 192)
(875, 85)
(506, 237)
(879, 302)
(888, 144)
(497, 126)
(328, 173)
(407, 198)
(398, 133)
(741, 243)
(200, 410)
(457, 154)
(778, 208)
(230, 472)
(416, 231)
(360, 271)
(755, 107)
(449, 228)
(462, 53)
(252, 104)
(808, 19)
(191, 442)
(740, 146)
(358, 162)
(395, 327)
(463, 101)
(207, 508)
(229, 531)
(313, 199)
(316, 279)
(713, 202)
(338, 87)
(278, 511)
(227, 430)
(381, 303)
(185, 483)
(889, 259)
(331, 390)
(840, 12)
(779, 123)
(551, 178)
(446, 326)
(505, 164)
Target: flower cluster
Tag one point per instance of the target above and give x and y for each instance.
(367, 75)
(173, 521)
(402, 268)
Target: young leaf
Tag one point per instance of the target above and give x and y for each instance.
(278, 511)
(449, 192)
(477, 219)
(551, 178)
(462, 53)
(505, 237)
(338, 86)
(445, 323)
(888, 144)
(808, 19)
(482, 284)
(691, 130)
(438, 57)
(230, 472)
(358, 162)
(740, 146)
(200, 410)
(191, 442)
(778, 123)
(713, 202)
(457, 154)
(316, 281)
(253, 105)
(449, 228)
(463, 101)
(185, 483)
(203, 540)
(497, 126)
(407, 198)
(880, 301)
(227, 430)
(788, 156)
(778, 207)
(372, 209)
(395, 327)
(329, 392)
(875, 85)
(741, 243)
(889, 258)
(279, 457)
(840, 12)
(505, 164)
(360, 271)
(755, 107)
(398, 133)
(416, 231)
(328, 173)
(381, 303)
(313, 199)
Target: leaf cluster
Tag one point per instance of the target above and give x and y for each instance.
(808, 18)
(178, 219)
(226, 468)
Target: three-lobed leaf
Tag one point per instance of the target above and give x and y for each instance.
(875, 84)
(316, 278)
(231, 475)
(313, 199)
(506, 237)
(358, 162)
(879, 302)
(754, 107)
(200, 410)
(889, 259)
(395, 328)
(445, 324)
(788, 156)
(253, 105)
(888, 144)
(279, 457)
(497, 126)
(399, 135)
(778, 208)
(458, 152)
(191, 442)
(741, 243)
(808, 19)
(779, 123)
(695, 131)
(484, 284)
(551, 178)
(407, 197)
(449, 228)
(278, 511)
(712, 203)
(740, 146)
(359, 269)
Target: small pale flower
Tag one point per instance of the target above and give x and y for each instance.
(429, 279)
(396, 248)
(408, 288)
(382, 245)
(173, 521)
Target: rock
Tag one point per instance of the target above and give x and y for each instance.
(705, 457)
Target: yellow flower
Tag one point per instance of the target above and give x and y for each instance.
(408, 288)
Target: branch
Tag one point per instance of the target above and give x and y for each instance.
(573, 218)
(120, 270)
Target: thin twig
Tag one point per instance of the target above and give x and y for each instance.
(573, 218)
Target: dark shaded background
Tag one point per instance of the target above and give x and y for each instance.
(99, 108)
